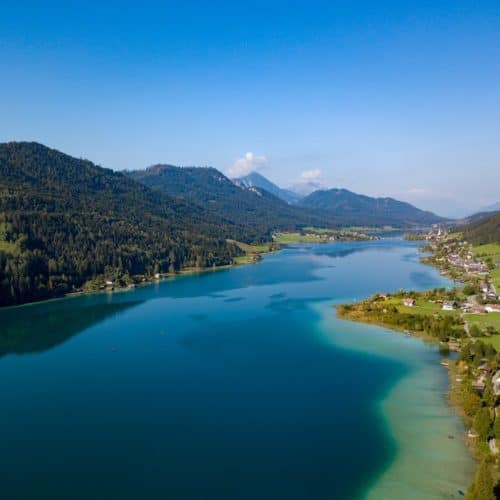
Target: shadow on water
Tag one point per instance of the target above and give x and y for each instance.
(342, 252)
(40, 327)
(215, 397)
(345, 249)
(308, 428)
(422, 279)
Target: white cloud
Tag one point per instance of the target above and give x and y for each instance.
(249, 163)
(310, 175)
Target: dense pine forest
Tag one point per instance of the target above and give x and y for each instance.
(65, 221)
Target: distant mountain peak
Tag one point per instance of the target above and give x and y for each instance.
(256, 180)
(254, 211)
(306, 188)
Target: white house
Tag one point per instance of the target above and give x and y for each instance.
(492, 308)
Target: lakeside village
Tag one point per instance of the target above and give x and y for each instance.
(461, 261)
(466, 321)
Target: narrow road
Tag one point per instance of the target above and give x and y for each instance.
(466, 327)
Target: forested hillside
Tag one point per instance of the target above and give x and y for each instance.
(64, 221)
(350, 208)
(485, 230)
(257, 212)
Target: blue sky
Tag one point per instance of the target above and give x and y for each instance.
(398, 98)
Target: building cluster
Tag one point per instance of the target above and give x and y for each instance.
(458, 255)
(466, 307)
(468, 264)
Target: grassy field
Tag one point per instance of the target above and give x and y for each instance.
(494, 340)
(424, 307)
(318, 235)
(319, 230)
(349, 229)
(244, 259)
(254, 248)
(491, 251)
(425, 319)
(484, 320)
(298, 238)
(252, 252)
(495, 277)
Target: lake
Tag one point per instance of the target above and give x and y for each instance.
(239, 383)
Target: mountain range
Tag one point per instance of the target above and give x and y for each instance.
(255, 210)
(67, 223)
(353, 209)
(343, 207)
(243, 204)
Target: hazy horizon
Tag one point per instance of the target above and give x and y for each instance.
(383, 99)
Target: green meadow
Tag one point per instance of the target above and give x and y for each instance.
(299, 238)
(425, 307)
(490, 251)
(484, 320)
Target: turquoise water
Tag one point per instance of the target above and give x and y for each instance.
(234, 384)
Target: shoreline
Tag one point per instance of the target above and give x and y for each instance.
(126, 289)
(187, 271)
(251, 257)
(452, 396)
(400, 330)
(391, 400)
(460, 375)
(417, 416)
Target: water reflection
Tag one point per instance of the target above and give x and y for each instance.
(41, 327)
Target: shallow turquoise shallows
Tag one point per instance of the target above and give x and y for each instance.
(239, 383)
